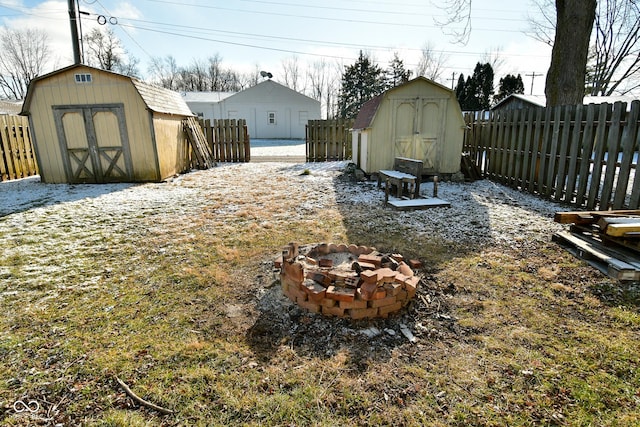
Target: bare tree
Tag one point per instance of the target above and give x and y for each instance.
(494, 58)
(24, 55)
(291, 73)
(614, 56)
(431, 63)
(104, 50)
(165, 72)
(323, 80)
(574, 22)
(458, 13)
(616, 61)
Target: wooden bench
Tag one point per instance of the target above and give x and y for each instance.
(406, 176)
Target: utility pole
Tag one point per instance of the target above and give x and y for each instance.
(533, 77)
(453, 79)
(75, 40)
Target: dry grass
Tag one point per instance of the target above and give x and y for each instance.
(176, 306)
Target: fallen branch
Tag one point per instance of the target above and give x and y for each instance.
(141, 401)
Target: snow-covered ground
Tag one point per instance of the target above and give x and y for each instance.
(278, 147)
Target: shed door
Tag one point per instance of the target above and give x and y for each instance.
(94, 143)
(417, 130)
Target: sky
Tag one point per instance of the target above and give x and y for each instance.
(250, 35)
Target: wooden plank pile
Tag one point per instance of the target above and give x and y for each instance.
(199, 146)
(607, 240)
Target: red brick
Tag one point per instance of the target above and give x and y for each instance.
(369, 276)
(322, 248)
(367, 290)
(328, 302)
(315, 291)
(367, 265)
(414, 263)
(356, 303)
(297, 293)
(397, 257)
(353, 249)
(294, 271)
(325, 263)
(310, 306)
(332, 311)
(341, 294)
(405, 269)
(372, 259)
(383, 311)
(352, 281)
(382, 302)
(402, 295)
(392, 288)
(386, 275)
(277, 263)
(362, 313)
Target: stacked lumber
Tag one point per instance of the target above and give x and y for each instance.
(199, 145)
(607, 240)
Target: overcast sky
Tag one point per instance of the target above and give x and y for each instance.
(263, 33)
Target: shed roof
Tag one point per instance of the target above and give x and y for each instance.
(207, 97)
(367, 113)
(368, 110)
(10, 107)
(541, 100)
(156, 98)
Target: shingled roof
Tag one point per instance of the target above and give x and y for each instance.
(367, 113)
(156, 98)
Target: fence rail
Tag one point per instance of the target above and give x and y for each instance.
(17, 156)
(228, 139)
(584, 155)
(328, 140)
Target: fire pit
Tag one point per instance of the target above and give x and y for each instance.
(352, 281)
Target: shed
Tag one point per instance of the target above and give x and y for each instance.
(420, 120)
(95, 126)
(516, 101)
(272, 110)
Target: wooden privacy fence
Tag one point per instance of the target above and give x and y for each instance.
(17, 156)
(584, 155)
(328, 140)
(228, 139)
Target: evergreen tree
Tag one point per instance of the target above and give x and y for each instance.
(396, 74)
(509, 84)
(360, 82)
(475, 94)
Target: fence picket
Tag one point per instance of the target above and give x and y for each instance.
(17, 156)
(629, 148)
(598, 159)
(328, 140)
(565, 131)
(586, 156)
(613, 141)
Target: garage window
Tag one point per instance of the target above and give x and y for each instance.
(83, 78)
(271, 117)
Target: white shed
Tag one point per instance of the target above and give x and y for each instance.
(272, 111)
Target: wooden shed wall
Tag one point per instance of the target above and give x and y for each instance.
(172, 157)
(61, 89)
(381, 147)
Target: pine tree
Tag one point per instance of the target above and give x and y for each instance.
(509, 84)
(396, 74)
(360, 82)
(476, 91)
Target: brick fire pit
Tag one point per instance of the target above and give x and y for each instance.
(352, 281)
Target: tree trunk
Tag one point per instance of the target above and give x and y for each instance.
(566, 75)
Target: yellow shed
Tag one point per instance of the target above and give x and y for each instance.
(420, 119)
(94, 126)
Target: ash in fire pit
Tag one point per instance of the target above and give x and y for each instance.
(352, 281)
